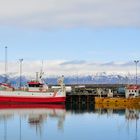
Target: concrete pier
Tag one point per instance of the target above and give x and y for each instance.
(80, 99)
(87, 93)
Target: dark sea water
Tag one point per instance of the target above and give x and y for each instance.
(70, 122)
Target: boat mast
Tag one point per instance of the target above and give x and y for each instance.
(6, 64)
(41, 71)
(37, 76)
(20, 78)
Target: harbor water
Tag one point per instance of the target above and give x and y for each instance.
(68, 122)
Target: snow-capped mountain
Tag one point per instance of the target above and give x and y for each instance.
(97, 78)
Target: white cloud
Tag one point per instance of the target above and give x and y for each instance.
(72, 13)
(60, 67)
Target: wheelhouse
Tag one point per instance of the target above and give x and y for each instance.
(35, 84)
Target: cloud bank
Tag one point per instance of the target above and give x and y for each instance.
(68, 68)
(70, 13)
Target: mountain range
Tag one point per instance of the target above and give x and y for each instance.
(98, 78)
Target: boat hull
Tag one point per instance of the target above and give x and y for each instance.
(30, 106)
(32, 99)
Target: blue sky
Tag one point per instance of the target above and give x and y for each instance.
(82, 32)
(103, 45)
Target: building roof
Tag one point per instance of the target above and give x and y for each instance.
(133, 87)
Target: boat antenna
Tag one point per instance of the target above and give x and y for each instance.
(6, 60)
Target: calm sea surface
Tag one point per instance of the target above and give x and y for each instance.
(71, 122)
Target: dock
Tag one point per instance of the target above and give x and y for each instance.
(87, 93)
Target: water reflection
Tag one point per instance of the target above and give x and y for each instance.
(70, 121)
(35, 116)
(131, 113)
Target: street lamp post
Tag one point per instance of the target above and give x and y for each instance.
(20, 60)
(136, 63)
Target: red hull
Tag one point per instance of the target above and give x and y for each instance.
(31, 106)
(32, 100)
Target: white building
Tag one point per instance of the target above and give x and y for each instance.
(132, 91)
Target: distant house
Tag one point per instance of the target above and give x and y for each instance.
(132, 91)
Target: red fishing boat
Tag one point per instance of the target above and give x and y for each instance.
(33, 92)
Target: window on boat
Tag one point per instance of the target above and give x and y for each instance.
(35, 85)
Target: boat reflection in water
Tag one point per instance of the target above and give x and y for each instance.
(73, 121)
(35, 115)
